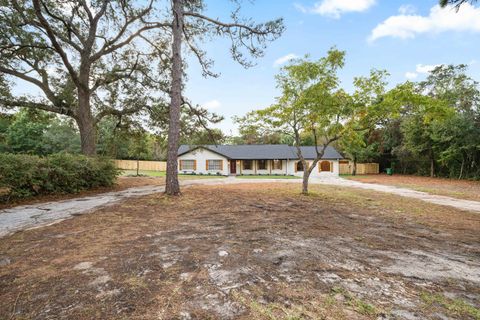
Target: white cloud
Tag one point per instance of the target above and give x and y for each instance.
(421, 69)
(212, 104)
(426, 68)
(300, 8)
(408, 26)
(407, 9)
(335, 8)
(411, 75)
(284, 59)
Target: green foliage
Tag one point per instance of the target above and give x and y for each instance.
(439, 125)
(203, 137)
(27, 175)
(356, 146)
(313, 109)
(127, 141)
(37, 132)
(25, 134)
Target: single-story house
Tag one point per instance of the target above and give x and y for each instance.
(277, 159)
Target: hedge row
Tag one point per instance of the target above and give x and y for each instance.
(24, 176)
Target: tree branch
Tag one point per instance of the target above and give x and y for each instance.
(56, 45)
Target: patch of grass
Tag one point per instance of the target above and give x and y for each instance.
(299, 306)
(144, 173)
(357, 304)
(136, 283)
(455, 307)
(267, 177)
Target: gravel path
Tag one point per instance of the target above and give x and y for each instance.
(37, 215)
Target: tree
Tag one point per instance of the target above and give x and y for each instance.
(87, 59)
(456, 3)
(357, 147)
(255, 132)
(25, 133)
(204, 137)
(5, 122)
(312, 103)
(189, 25)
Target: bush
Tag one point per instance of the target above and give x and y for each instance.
(24, 176)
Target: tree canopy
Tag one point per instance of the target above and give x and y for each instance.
(313, 104)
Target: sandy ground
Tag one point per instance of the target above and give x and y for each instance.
(461, 189)
(469, 205)
(248, 251)
(37, 215)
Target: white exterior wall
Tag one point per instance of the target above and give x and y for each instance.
(201, 155)
(255, 169)
(315, 173)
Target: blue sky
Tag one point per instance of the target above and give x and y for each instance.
(404, 37)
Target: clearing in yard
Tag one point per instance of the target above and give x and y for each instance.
(248, 251)
(461, 189)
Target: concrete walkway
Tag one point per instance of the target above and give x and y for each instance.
(38, 215)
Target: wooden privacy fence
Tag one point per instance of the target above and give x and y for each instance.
(142, 165)
(362, 168)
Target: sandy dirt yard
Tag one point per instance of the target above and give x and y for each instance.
(123, 183)
(461, 189)
(248, 251)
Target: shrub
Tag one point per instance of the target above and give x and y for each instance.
(23, 176)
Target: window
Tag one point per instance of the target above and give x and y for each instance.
(299, 166)
(262, 164)
(214, 165)
(247, 164)
(277, 164)
(188, 165)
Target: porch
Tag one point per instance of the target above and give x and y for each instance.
(258, 167)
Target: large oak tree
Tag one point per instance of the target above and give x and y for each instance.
(86, 59)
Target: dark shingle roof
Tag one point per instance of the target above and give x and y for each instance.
(263, 151)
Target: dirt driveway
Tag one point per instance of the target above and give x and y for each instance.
(461, 189)
(249, 251)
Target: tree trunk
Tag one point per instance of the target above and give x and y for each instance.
(172, 186)
(86, 124)
(307, 171)
(432, 165)
(306, 175)
(461, 168)
(354, 171)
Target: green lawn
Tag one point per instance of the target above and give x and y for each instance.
(268, 177)
(162, 174)
(143, 172)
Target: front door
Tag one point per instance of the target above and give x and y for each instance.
(233, 167)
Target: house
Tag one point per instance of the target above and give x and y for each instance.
(279, 159)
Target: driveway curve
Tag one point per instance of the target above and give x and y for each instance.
(38, 215)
